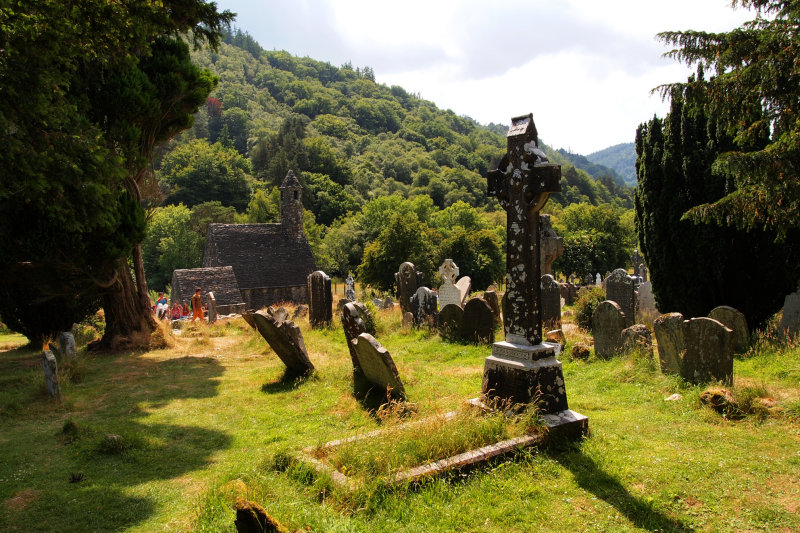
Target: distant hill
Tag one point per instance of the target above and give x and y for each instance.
(620, 157)
(595, 170)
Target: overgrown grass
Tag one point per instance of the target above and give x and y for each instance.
(200, 424)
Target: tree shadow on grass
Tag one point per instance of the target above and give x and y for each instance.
(591, 478)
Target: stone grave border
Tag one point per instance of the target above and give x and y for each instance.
(427, 470)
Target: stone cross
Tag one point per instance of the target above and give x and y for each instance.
(637, 260)
(350, 291)
(522, 184)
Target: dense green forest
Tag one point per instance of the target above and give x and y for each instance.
(620, 158)
(371, 158)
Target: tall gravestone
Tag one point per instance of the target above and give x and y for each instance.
(552, 245)
(668, 329)
(66, 344)
(478, 322)
(734, 320)
(642, 272)
(50, 367)
(320, 299)
(407, 280)
(620, 289)
(522, 368)
(424, 307)
(451, 320)
(211, 302)
(608, 321)
(551, 303)
(645, 301)
(790, 322)
(448, 292)
(637, 260)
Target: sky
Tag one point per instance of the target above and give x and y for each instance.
(584, 68)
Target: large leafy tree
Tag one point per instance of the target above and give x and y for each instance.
(87, 90)
(754, 93)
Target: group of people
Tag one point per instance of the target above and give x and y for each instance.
(195, 308)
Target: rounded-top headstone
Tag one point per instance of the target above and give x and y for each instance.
(478, 321)
(608, 321)
(735, 320)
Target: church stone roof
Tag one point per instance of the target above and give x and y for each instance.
(262, 255)
(220, 280)
(290, 181)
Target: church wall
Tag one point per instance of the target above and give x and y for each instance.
(266, 296)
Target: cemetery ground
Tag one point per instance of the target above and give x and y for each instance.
(167, 440)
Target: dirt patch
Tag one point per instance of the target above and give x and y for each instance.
(692, 502)
(20, 500)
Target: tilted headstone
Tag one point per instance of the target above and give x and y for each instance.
(642, 272)
(790, 322)
(378, 366)
(522, 368)
(619, 288)
(407, 280)
(551, 303)
(448, 292)
(284, 337)
(490, 297)
(50, 367)
(637, 337)
(708, 352)
(552, 246)
(645, 301)
(451, 320)
(211, 302)
(478, 322)
(350, 290)
(608, 321)
(354, 318)
(669, 339)
(424, 306)
(734, 320)
(66, 345)
(464, 284)
(320, 299)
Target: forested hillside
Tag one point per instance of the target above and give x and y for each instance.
(371, 159)
(621, 158)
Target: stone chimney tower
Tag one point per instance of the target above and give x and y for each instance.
(292, 207)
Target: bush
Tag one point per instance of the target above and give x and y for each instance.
(588, 300)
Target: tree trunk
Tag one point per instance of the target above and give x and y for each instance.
(129, 317)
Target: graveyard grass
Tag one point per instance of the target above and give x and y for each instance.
(167, 440)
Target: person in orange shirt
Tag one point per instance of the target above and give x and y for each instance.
(197, 305)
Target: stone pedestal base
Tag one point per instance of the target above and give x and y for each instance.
(522, 373)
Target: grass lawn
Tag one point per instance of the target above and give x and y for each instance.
(167, 440)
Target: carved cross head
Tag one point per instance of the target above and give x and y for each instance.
(449, 271)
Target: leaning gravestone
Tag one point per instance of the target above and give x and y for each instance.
(424, 307)
(522, 367)
(408, 280)
(708, 352)
(211, 302)
(619, 288)
(478, 323)
(551, 303)
(66, 345)
(464, 284)
(448, 292)
(284, 337)
(451, 320)
(50, 367)
(608, 321)
(669, 338)
(320, 299)
(790, 323)
(378, 366)
(490, 297)
(354, 322)
(734, 320)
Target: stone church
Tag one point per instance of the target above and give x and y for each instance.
(271, 262)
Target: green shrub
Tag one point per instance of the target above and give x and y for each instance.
(588, 300)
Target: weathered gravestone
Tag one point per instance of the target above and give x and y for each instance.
(354, 322)
(211, 302)
(451, 320)
(637, 260)
(568, 293)
(522, 367)
(350, 290)
(378, 366)
(551, 303)
(478, 322)
(597, 279)
(619, 288)
(699, 350)
(608, 321)
(637, 337)
(734, 320)
(66, 345)
(388, 303)
(790, 322)
(284, 337)
(408, 280)
(50, 367)
(552, 246)
(448, 292)
(301, 311)
(408, 320)
(464, 284)
(642, 272)
(424, 307)
(668, 329)
(320, 299)
(490, 297)
(645, 301)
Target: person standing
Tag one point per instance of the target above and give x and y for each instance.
(197, 305)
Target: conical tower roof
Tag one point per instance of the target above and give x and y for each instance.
(290, 181)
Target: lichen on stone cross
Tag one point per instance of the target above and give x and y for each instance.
(449, 271)
(522, 184)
